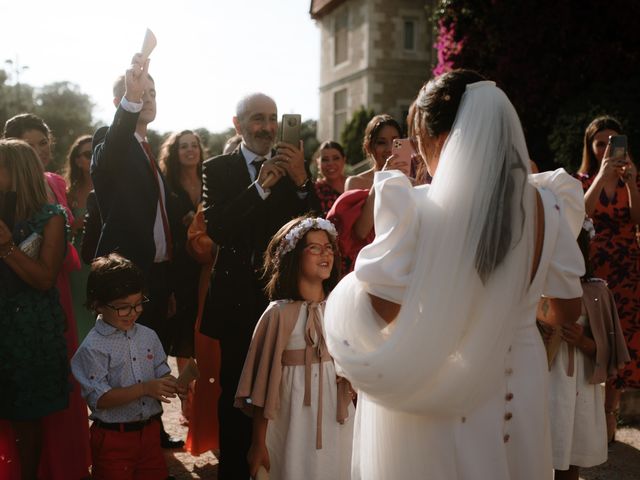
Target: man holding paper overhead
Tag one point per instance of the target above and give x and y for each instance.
(132, 194)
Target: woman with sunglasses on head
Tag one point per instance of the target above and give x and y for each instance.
(79, 184)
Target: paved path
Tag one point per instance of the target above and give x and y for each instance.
(623, 464)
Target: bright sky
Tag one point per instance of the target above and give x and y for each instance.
(209, 54)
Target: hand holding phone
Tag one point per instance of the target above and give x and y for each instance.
(290, 128)
(402, 153)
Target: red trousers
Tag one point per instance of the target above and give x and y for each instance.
(128, 455)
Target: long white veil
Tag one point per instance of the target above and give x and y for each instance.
(445, 351)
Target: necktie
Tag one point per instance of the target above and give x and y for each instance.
(257, 164)
(163, 212)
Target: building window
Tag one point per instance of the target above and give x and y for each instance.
(339, 112)
(409, 32)
(341, 37)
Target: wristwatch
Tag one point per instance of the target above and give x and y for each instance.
(305, 184)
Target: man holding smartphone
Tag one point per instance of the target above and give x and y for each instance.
(248, 195)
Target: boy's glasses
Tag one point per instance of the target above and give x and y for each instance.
(126, 310)
(317, 249)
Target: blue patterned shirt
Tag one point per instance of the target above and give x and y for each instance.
(111, 358)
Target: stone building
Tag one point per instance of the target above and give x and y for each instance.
(374, 53)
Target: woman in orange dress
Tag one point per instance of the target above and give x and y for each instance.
(612, 200)
(203, 419)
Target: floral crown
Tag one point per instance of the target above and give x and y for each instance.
(587, 226)
(294, 235)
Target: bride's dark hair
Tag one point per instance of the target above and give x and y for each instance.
(438, 100)
(434, 112)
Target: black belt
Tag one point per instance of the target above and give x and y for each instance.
(128, 426)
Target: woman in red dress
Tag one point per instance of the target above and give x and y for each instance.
(612, 200)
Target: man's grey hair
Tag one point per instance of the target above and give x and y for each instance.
(243, 105)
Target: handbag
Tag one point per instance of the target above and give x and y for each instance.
(30, 246)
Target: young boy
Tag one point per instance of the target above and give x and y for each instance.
(124, 375)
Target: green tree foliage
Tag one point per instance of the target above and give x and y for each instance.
(561, 63)
(62, 105)
(353, 133)
(308, 134)
(67, 111)
(14, 99)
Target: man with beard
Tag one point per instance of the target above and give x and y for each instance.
(248, 195)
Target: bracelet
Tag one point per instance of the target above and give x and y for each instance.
(12, 247)
(303, 187)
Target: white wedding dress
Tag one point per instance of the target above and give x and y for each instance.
(505, 436)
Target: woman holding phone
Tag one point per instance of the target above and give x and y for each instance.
(352, 213)
(611, 198)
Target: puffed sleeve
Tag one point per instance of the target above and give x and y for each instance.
(384, 267)
(564, 213)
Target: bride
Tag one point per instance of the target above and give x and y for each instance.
(436, 325)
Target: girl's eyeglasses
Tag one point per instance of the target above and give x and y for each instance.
(317, 249)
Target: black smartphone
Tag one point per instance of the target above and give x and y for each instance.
(618, 146)
(8, 201)
(290, 129)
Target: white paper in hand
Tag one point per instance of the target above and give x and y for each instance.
(189, 373)
(148, 44)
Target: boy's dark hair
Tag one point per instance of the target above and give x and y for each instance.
(112, 277)
(282, 276)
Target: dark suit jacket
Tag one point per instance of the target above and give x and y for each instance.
(126, 191)
(242, 224)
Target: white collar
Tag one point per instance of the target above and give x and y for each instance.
(250, 156)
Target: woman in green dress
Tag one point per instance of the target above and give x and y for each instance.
(33, 359)
(79, 185)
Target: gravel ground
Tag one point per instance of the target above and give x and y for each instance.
(623, 463)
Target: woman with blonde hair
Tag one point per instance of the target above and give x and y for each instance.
(33, 359)
(68, 460)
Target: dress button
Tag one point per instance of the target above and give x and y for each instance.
(506, 438)
(508, 416)
(508, 397)
(463, 419)
(508, 371)
(134, 359)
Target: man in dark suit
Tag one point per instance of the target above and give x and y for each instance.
(131, 194)
(248, 195)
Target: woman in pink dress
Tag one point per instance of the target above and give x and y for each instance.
(68, 459)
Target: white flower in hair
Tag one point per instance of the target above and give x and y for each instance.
(291, 239)
(587, 225)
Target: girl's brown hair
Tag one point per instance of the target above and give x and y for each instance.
(282, 272)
